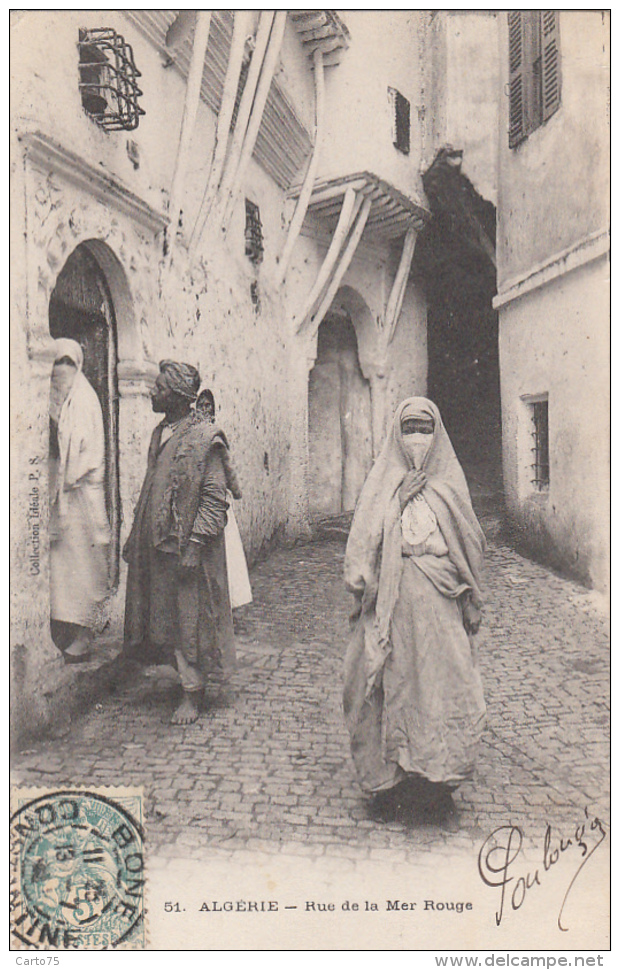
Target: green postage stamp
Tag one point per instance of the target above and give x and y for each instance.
(77, 869)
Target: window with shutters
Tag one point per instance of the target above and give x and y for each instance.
(401, 121)
(534, 70)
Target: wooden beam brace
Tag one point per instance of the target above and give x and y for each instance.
(333, 191)
(315, 33)
(190, 110)
(256, 115)
(343, 264)
(347, 214)
(399, 286)
(327, 45)
(333, 59)
(241, 29)
(245, 106)
(304, 196)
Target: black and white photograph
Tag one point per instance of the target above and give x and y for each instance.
(310, 482)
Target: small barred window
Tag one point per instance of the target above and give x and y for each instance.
(108, 79)
(253, 233)
(401, 121)
(540, 448)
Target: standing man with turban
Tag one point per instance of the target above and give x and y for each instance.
(178, 604)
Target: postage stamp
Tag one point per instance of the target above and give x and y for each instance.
(77, 869)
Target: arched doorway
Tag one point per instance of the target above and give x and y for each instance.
(455, 264)
(339, 420)
(81, 308)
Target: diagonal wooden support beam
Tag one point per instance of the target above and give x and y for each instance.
(345, 219)
(256, 116)
(343, 264)
(190, 110)
(241, 28)
(333, 191)
(397, 294)
(245, 107)
(306, 191)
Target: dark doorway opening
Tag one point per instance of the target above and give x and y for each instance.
(339, 420)
(81, 308)
(455, 263)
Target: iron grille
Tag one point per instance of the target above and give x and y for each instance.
(108, 79)
(540, 434)
(401, 125)
(253, 232)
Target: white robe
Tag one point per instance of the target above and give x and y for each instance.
(79, 528)
(238, 578)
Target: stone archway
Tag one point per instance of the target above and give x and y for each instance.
(81, 308)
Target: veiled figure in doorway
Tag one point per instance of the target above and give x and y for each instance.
(79, 527)
(413, 696)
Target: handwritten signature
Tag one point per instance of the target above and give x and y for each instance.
(503, 847)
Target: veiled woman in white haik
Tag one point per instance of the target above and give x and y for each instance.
(79, 527)
(413, 694)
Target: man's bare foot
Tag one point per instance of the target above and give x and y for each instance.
(187, 711)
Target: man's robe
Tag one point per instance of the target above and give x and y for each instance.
(170, 607)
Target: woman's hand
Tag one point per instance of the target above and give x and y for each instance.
(413, 483)
(472, 617)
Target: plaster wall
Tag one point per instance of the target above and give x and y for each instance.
(471, 96)
(462, 67)
(554, 186)
(74, 184)
(46, 97)
(358, 134)
(554, 341)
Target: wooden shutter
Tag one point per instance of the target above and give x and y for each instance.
(403, 123)
(551, 78)
(516, 78)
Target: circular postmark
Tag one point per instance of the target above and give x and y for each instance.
(77, 872)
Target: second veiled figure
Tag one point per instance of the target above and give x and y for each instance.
(413, 694)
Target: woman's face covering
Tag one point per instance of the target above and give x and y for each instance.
(63, 376)
(417, 438)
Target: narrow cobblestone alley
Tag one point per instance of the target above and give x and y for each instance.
(269, 767)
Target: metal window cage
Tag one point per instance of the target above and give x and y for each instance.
(540, 450)
(401, 121)
(253, 232)
(108, 79)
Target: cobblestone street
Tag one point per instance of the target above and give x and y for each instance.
(269, 768)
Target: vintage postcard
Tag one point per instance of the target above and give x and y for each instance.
(310, 481)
